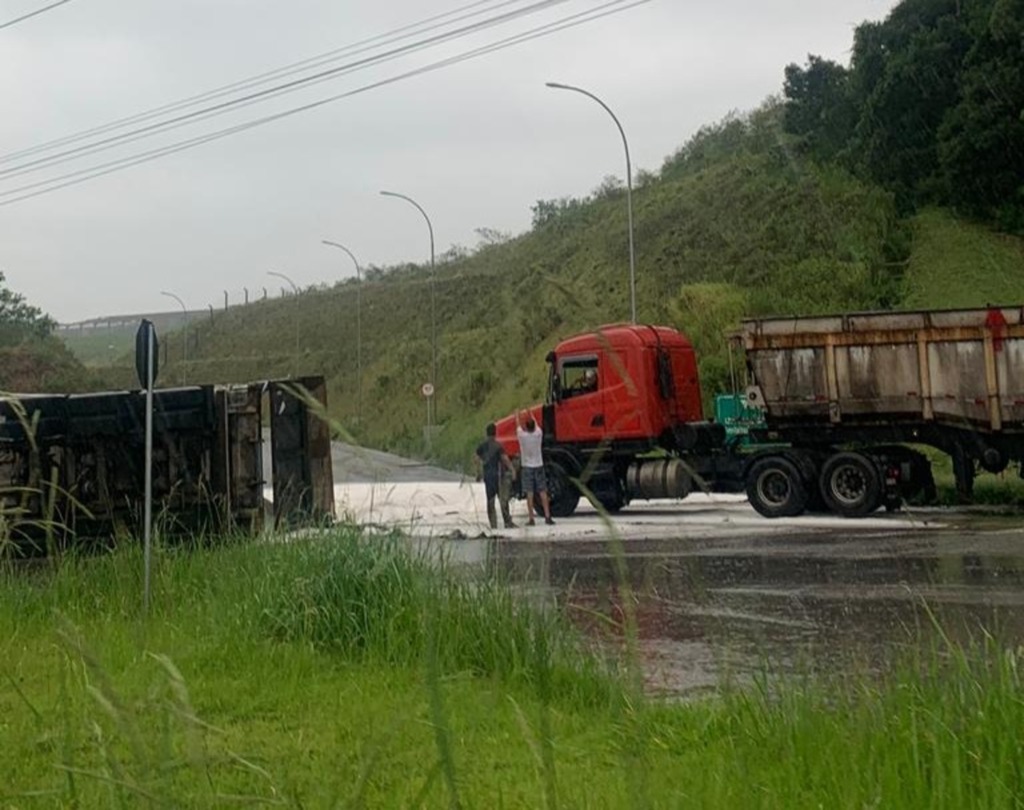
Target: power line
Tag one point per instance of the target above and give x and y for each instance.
(395, 35)
(269, 93)
(84, 175)
(24, 17)
(199, 115)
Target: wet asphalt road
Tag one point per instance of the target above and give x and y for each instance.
(735, 608)
(721, 594)
(360, 465)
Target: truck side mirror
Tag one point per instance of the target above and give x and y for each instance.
(556, 389)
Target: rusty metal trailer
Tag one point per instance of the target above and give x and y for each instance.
(844, 396)
(72, 466)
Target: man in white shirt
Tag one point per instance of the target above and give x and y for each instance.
(531, 457)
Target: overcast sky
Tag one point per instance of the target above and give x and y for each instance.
(475, 143)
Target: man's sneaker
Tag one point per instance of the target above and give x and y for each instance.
(529, 522)
(549, 521)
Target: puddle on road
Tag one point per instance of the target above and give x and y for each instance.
(708, 617)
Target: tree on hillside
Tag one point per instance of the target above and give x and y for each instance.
(565, 212)
(610, 188)
(981, 143)
(819, 109)
(19, 321)
(921, 50)
(707, 312)
(31, 357)
(931, 105)
(491, 236)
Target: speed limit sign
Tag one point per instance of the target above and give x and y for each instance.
(428, 390)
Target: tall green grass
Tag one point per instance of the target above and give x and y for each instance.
(1005, 489)
(347, 671)
(942, 732)
(376, 600)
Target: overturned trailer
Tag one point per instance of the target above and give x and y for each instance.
(72, 467)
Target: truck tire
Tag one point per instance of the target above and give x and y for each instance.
(606, 490)
(809, 464)
(612, 502)
(563, 494)
(775, 487)
(851, 484)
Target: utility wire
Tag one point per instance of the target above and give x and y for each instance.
(144, 157)
(83, 175)
(24, 17)
(271, 92)
(395, 35)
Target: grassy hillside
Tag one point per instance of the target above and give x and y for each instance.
(962, 264)
(734, 224)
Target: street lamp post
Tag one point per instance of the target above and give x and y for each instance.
(359, 326)
(295, 290)
(433, 307)
(184, 341)
(629, 188)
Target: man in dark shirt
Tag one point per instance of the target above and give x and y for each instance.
(498, 472)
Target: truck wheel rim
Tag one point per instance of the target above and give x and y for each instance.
(773, 487)
(849, 485)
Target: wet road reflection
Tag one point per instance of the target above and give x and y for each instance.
(712, 612)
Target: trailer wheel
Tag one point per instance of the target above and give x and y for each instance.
(775, 487)
(562, 493)
(851, 485)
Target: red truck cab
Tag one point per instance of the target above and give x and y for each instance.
(615, 393)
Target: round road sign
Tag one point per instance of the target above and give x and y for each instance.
(427, 389)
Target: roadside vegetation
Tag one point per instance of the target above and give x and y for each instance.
(346, 671)
(1004, 489)
(31, 358)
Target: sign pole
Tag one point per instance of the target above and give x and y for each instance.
(146, 367)
(428, 394)
(149, 468)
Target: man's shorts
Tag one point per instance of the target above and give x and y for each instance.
(534, 480)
